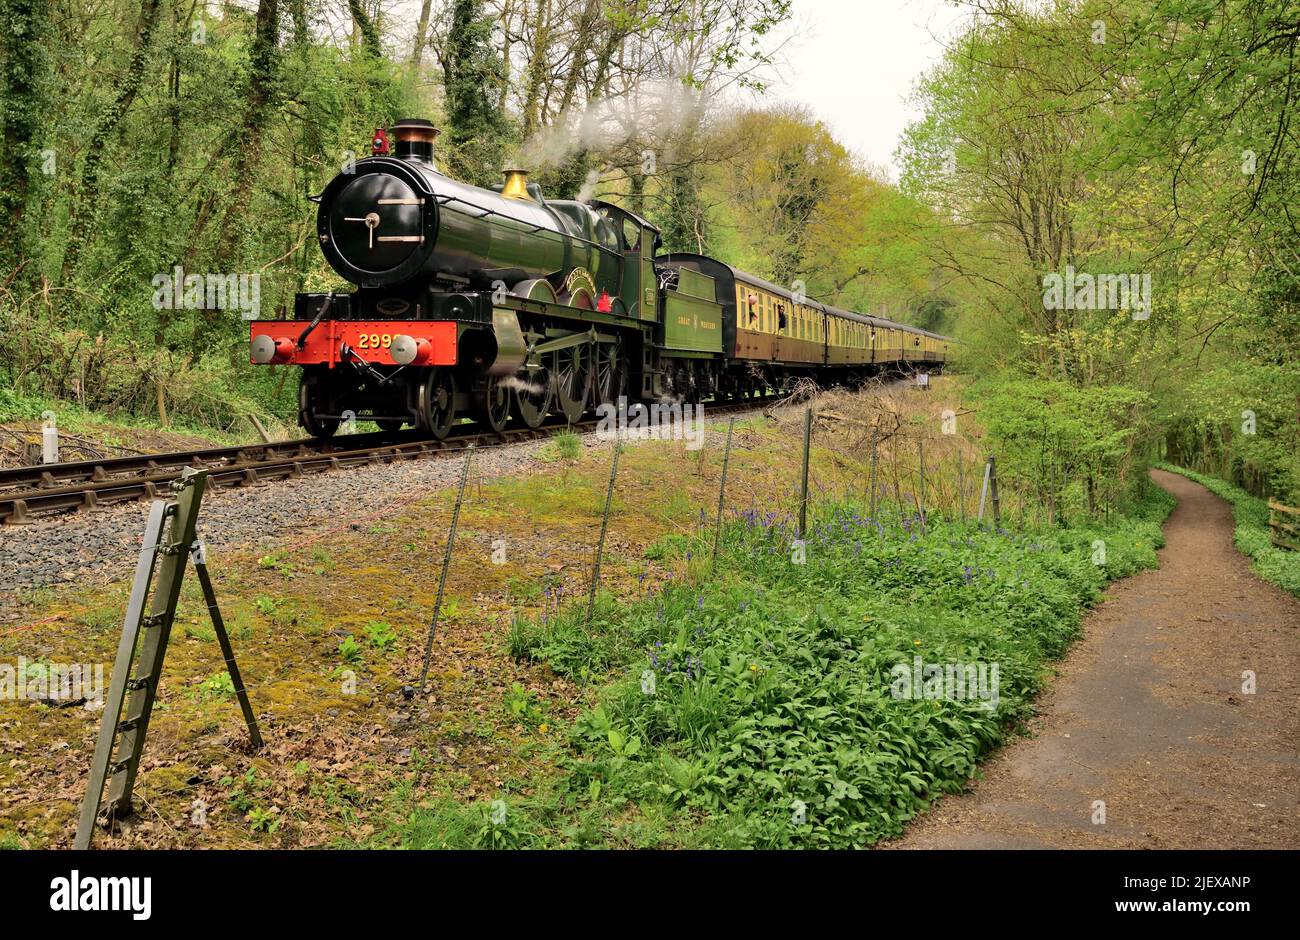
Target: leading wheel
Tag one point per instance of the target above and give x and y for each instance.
(309, 406)
(438, 403)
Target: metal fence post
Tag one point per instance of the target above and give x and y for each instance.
(604, 527)
(993, 487)
(446, 564)
(961, 485)
(920, 451)
(875, 431)
(984, 488)
(722, 488)
(803, 488)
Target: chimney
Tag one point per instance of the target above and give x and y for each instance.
(414, 139)
(515, 185)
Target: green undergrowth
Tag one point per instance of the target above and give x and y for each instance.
(119, 428)
(758, 704)
(1252, 533)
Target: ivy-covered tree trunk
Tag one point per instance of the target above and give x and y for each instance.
(537, 67)
(370, 41)
(262, 80)
(684, 219)
(85, 202)
(26, 26)
(476, 136)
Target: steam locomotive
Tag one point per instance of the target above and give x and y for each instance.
(501, 305)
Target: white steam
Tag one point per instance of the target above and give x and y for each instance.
(631, 126)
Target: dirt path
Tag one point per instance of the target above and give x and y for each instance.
(1148, 715)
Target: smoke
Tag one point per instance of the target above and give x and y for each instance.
(643, 121)
(588, 189)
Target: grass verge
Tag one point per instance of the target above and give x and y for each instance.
(768, 702)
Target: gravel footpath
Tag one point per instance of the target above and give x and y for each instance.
(1148, 715)
(102, 545)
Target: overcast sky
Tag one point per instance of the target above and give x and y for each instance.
(854, 63)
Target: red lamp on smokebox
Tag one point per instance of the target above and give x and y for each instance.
(379, 143)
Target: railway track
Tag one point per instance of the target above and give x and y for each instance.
(30, 492)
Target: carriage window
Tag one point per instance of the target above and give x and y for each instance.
(780, 316)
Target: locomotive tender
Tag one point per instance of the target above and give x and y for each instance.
(500, 303)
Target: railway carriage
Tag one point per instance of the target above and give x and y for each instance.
(770, 333)
(500, 304)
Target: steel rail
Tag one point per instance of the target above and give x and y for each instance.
(43, 489)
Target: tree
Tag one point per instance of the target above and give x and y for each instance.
(25, 68)
(474, 77)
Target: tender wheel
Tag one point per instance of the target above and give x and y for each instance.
(609, 377)
(438, 403)
(570, 373)
(533, 393)
(494, 404)
(309, 402)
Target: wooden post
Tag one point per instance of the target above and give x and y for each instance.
(266, 438)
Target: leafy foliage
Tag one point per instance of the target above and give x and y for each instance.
(761, 703)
